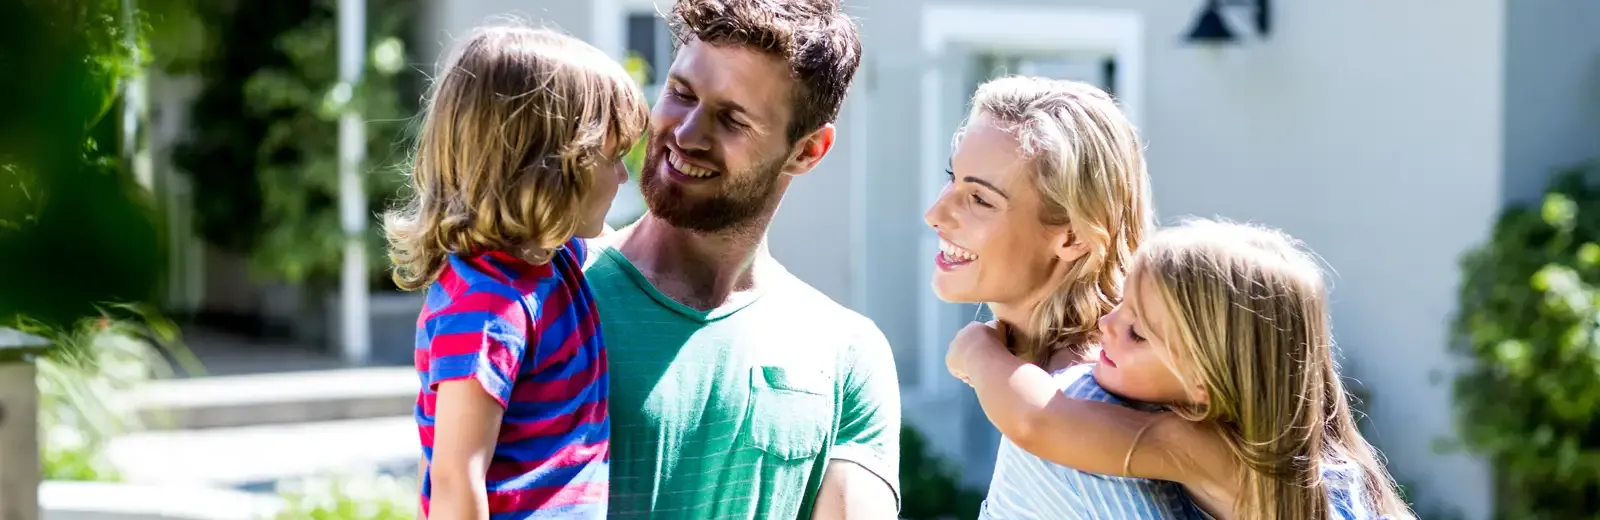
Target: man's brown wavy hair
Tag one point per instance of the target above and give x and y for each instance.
(815, 37)
(513, 128)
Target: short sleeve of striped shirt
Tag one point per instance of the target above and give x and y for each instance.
(479, 335)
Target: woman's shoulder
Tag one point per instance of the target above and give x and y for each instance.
(1077, 381)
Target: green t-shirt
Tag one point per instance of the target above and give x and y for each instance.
(734, 413)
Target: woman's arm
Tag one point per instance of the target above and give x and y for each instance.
(1024, 403)
(467, 421)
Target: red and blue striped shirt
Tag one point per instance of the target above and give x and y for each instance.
(530, 335)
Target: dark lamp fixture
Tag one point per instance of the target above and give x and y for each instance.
(1210, 28)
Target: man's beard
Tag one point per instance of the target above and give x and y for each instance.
(745, 196)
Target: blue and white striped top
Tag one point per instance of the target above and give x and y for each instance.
(1026, 487)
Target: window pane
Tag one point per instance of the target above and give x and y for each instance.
(1088, 69)
(643, 41)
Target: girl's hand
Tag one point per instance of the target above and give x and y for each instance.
(976, 339)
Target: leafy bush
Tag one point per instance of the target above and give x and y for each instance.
(1530, 399)
(67, 205)
(80, 383)
(928, 485)
(265, 152)
(349, 497)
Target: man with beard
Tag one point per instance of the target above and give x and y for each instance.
(738, 391)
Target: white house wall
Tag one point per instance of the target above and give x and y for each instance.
(1552, 91)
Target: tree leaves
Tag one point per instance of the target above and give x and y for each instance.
(1530, 309)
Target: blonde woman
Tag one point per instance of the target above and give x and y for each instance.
(1226, 325)
(1048, 198)
(519, 156)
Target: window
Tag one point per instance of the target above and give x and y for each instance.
(649, 38)
(1095, 69)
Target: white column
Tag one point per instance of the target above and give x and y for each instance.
(356, 343)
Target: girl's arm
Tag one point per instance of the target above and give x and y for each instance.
(1025, 404)
(467, 421)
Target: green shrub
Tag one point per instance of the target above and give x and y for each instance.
(1529, 400)
(75, 229)
(349, 497)
(80, 383)
(929, 487)
(264, 156)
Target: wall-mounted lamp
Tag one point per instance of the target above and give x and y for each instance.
(1211, 28)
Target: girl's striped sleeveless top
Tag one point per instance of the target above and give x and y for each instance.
(1026, 487)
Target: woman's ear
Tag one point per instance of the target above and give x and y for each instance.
(1199, 394)
(1067, 246)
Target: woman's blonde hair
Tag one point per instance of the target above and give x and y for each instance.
(1090, 173)
(514, 126)
(1248, 323)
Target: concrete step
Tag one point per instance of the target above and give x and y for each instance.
(64, 500)
(256, 458)
(278, 398)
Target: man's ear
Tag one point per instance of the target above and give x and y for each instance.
(1067, 246)
(810, 150)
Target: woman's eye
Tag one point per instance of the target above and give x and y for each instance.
(978, 199)
(950, 176)
(1135, 335)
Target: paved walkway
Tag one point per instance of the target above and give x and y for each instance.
(254, 458)
(264, 412)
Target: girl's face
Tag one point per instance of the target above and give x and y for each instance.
(1132, 362)
(993, 246)
(609, 173)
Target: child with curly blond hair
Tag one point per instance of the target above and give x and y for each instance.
(519, 157)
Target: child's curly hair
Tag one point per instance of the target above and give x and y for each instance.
(516, 122)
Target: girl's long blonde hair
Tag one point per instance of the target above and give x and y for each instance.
(1248, 323)
(516, 122)
(1090, 174)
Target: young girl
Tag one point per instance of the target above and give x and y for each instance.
(520, 152)
(1225, 325)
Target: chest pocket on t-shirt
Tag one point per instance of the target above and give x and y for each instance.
(791, 412)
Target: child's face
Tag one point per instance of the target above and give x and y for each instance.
(1131, 363)
(609, 173)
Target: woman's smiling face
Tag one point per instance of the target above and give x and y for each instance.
(993, 246)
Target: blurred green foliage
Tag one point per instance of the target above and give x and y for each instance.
(639, 69)
(1530, 311)
(100, 358)
(264, 156)
(349, 497)
(929, 487)
(75, 230)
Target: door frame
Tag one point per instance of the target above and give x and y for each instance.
(960, 27)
